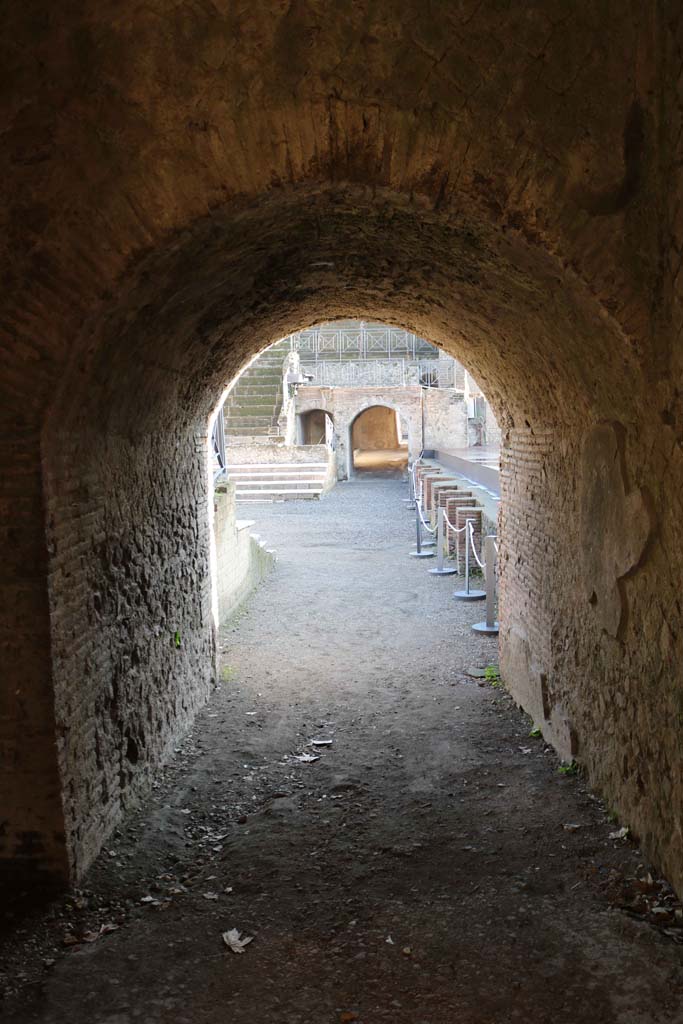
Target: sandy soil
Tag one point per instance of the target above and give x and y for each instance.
(432, 867)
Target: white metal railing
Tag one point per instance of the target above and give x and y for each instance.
(374, 341)
(431, 373)
(218, 445)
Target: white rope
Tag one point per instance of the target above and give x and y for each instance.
(429, 529)
(482, 565)
(450, 526)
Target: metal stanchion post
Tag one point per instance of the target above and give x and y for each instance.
(419, 546)
(441, 569)
(467, 594)
(490, 625)
(410, 501)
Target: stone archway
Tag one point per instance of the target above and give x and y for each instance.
(345, 404)
(516, 223)
(314, 426)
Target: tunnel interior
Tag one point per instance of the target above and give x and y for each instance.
(523, 235)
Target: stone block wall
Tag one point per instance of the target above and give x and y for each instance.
(445, 419)
(271, 452)
(133, 647)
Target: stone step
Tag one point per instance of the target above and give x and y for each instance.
(269, 467)
(253, 408)
(277, 495)
(251, 389)
(277, 485)
(251, 431)
(244, 421)
(241, 482)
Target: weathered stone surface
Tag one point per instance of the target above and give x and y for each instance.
(615, 526)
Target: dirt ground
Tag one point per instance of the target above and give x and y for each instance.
(433, 866)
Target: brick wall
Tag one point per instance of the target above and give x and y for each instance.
(527, 567)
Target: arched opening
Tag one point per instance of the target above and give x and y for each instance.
(315, 426)
(514, 221)
(377, 442)
(137, 427)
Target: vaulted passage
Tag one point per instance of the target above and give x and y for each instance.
(183, 190)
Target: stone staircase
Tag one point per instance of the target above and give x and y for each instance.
(253, 406)
(278, 481)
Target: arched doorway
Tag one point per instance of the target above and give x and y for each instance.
(377, 442)
(315, 427)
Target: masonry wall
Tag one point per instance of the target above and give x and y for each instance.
(492, 431)
(239, 454)
(32, 840)
(242, 561)
(344, 404)
(528, 526)
(133, 644)
(445, 419)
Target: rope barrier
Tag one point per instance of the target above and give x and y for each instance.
(482, 565)
(449, 524)
(429, 529)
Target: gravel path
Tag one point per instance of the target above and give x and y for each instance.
(419, 872)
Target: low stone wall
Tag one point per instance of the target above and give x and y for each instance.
(266, 452)
(242, 559)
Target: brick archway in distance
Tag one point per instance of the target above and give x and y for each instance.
(498, 182)
(345, 405)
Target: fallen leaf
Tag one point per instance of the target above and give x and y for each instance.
(105, 929)
(621, 833)
(233, 941)
(307, 758)
(210, 895)
(570, 826)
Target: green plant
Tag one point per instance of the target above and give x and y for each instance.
(492, 676)
(176, 638)
(227, 673)
(535, 733)
(569, 768)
